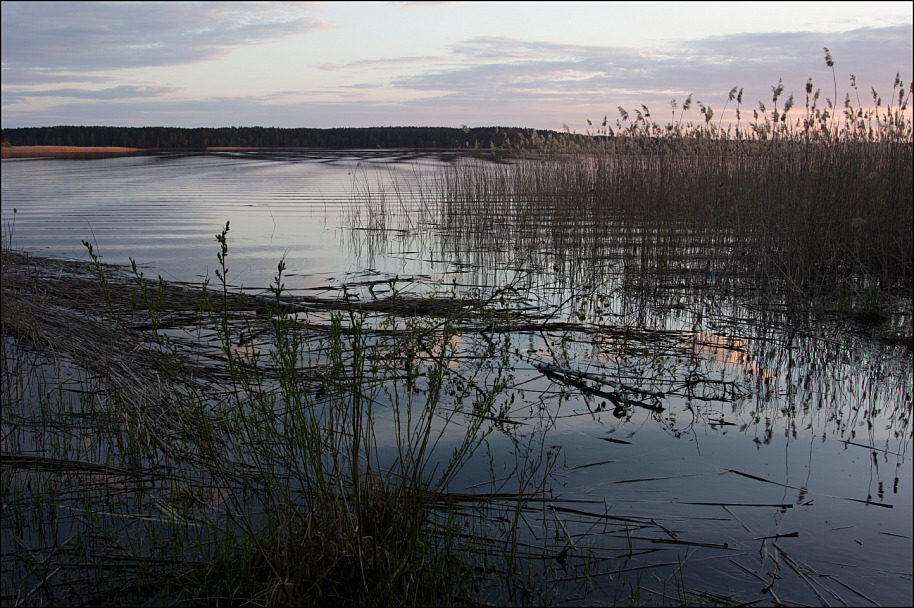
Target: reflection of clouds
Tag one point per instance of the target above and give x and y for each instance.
(715, 349)
(427, 351)
(438, 344)
(727, 350)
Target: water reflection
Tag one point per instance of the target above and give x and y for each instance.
(670, 398)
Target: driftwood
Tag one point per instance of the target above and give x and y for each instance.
(618, 397)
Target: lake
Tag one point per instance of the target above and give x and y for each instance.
(758, 460)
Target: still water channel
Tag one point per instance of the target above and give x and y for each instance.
(783, 475)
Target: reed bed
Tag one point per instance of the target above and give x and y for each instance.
(170, 444)
(803, 205)
(177, 444)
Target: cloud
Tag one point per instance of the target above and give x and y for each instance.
(119, 92)
(250, 111)
(496, 71)
(385, 62)
(33, 77)
(489, 80)
(425, 4)
(54, 37)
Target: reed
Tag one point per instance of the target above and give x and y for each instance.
(800, 204)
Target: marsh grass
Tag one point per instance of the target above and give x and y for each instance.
(271, 449)
(178, 445)
(165, 443)
(802, 205)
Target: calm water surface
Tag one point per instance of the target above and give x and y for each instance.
(801, 476)
(164, 210)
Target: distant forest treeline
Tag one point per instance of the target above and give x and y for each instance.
(272, 137)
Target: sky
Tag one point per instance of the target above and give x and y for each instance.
(540, 64)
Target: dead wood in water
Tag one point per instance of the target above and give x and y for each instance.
(110, 320)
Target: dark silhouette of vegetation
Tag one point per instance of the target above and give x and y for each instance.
(172, 138)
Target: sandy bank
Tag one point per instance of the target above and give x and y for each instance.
(65, 151)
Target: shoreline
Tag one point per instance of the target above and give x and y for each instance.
(67, 151)
(95, 151)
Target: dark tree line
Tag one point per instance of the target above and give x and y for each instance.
(271, 137)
